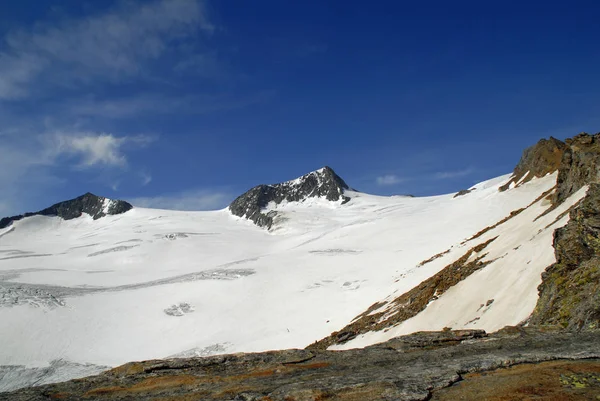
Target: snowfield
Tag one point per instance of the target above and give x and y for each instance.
(148, 283)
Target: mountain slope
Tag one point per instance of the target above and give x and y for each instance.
(154, 283)
(490, 280)
(288, 264)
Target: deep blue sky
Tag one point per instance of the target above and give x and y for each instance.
(188, 104)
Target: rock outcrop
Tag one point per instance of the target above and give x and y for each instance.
(381, 316)
(95, 206)
(570, 289)
(463, 192)
(580, 165)
(538, 160)
(569, 295)
(323, 183)
(405, 368)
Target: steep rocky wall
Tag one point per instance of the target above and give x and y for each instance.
(580, 165)
(569, 295)
(570, 289)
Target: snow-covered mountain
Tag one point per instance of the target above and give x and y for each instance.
(256, 204)
(88, 203)
(283, 266)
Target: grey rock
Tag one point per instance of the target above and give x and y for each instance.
(404, 368)
(321, 183)
(71, 209)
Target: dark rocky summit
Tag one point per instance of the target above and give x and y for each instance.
(95, 206)
(405, 368)
(324, 183)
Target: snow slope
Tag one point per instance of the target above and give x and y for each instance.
(156, 283)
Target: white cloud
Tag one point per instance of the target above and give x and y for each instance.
(448, 175)
(389, 179)
(113, 46)
(30, 164)
(93, 149)
(188, 200)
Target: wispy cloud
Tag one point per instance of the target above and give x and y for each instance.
(448, 175)
(92, 148)
(200, 199)
(112, 46)
(146, 178)
(28, 166)
(389, 179)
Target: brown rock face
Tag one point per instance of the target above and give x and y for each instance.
(405, 368)
(538, 160)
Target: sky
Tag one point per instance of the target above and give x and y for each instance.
(186, 104)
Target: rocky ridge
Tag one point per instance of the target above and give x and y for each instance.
(323, 183)
(405, 368)
(95, 206)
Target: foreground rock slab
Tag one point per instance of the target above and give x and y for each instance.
(556, 380)
(405, 368)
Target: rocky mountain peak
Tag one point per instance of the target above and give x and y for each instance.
(95, 206)
(322, 183)
(538, 160)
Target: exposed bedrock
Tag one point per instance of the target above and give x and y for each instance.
(405, 368)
